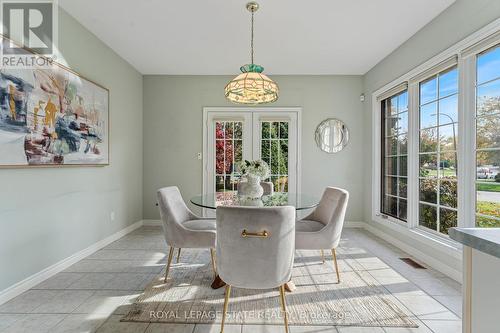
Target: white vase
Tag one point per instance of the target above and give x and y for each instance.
(251, 188)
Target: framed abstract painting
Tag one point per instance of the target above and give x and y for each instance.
(52, 117)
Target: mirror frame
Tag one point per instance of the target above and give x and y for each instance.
(345, 135)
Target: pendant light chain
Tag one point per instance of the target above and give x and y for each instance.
(251, 86)
(251, 42)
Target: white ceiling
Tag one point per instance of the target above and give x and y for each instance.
(203, 37)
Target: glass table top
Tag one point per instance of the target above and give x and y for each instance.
(298, 200)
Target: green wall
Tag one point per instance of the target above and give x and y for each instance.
(48, 214)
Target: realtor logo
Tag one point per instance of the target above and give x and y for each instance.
(28, 27)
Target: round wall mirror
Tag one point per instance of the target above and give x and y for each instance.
(332, 135)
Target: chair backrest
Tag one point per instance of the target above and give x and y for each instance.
(268, 187)
(255, 262)
(331, 212)
(173, 212)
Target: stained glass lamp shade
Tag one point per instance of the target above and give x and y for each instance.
(252, 87)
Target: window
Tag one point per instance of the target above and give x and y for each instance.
(395, 155)
(488, 138)
(274, 151)
(228, 151)
(438, 115)
(436, 142)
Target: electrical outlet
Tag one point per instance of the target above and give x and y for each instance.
(199, 156)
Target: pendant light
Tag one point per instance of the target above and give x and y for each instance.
(251, 86)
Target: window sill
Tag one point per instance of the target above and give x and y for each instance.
(440, 243)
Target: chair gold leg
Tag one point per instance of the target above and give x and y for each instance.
(212, 254)
(334, 255)
(224, 311)
(283, 306)
(323, 256)
(178, 255)
(170, 255)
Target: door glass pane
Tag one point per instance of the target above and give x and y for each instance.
(228, 151)
(274, 151)
(488, 138)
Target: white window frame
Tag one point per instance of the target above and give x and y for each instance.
(415, 158)
(250, 116)
(465, 53)
(387, 94)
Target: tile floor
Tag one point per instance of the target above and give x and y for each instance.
(93, 294)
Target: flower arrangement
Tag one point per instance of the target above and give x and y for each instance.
(257, 168)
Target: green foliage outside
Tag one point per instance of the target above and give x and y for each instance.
(274, 151)
(488, 187)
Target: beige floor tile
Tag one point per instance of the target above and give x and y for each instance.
(79, 323)
(313, 329)
(426, 307)
(114, 325)
(453, 303)
(7, 319)
(262, 329)
(60, 281)
(28, 301)
(215, 328)
(170, 328)
(105, 302)
(65, 301)
(444, 326)
(35, 323)
(93, 281)
(352, 329)
(422, 328)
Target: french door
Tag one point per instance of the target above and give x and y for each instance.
(235, 134)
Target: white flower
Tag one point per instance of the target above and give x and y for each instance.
(256, 168)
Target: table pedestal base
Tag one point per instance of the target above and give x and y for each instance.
(218, 283)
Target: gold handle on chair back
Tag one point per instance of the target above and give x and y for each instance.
(262, 234)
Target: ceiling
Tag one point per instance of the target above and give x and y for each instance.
(205, 37)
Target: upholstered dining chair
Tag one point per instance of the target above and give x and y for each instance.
(323, 227)
(182, 228)
(253, 240)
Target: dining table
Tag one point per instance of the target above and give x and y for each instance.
(301, 202)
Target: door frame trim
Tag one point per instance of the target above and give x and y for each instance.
(208, 110)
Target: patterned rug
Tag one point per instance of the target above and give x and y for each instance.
(359, 300)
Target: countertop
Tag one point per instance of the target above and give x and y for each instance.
(486, 240)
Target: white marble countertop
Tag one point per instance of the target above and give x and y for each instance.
(486, 240)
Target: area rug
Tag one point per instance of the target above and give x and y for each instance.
(358, 300)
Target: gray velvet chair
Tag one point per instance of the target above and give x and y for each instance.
(255, 249)
(323, 227)
(182, 228)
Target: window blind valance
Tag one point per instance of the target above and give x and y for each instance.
(393, 91)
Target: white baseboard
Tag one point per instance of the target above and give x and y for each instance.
(354, 224)
(50, 271)
(151, 223)
(432, 262)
